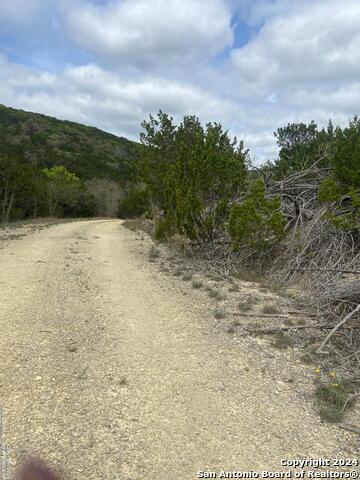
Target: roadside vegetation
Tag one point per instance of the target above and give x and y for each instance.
(290, 223)
(293, 222)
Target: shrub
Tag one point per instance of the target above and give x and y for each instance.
(270, 309)
(165, 228)
(331, 193)
(331, 398)
(216, 295)
(187, 277)
(196, 284)
(282, 342)
(178, 272)
(133, 205)
(245, 306)
(256, 222)
(154, 252)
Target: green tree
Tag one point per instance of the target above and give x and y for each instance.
(340, 191)
(343, 209)
(156, 154)
(63, 191)
(346, 159)
(133, 204)
(298, 147)
(208, 172)
(256, 222)
(21, 189)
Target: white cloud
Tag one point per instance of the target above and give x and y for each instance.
(148, 33)
(302, 65)
(317, 43)
(94, 96)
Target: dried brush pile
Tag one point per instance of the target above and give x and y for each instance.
(324, 261)
(316, 256)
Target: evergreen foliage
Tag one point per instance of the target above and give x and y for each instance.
(44, 142)
(298, 147)
(134, 204)
(195, 173)
(301, 145)
(340, 191)
(156, 154)
(22, 189)
(346, 159)
(256, 222)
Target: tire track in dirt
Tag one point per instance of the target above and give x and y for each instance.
(108, 372)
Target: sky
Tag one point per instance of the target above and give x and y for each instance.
(252, 65)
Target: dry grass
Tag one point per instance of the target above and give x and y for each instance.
(282, 342)
(234, 288)
(270, 309)
(245, 306)
(248, 276)
(197, 284)
(216, 295)
(178, 272)
(154, 253)
(187, 277)
(139, 225)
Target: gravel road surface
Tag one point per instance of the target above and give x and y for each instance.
(109, 372)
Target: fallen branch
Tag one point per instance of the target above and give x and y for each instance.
(284, 329)
(350, 397)
(305, 314)
(350, 428)
(349, 292)
(320, 350)
(354, 272)
(275, 315)
(265, 315)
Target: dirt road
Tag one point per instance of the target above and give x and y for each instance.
(109, 372)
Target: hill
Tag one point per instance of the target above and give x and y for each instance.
(44, 141)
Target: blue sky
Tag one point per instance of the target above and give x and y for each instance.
(40, 42)
(253, 65)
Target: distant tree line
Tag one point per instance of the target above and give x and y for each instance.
(28, 192)
(190, 179)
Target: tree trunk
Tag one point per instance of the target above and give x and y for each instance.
(4, 201)
(7, 216)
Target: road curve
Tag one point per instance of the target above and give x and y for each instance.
(109, 372)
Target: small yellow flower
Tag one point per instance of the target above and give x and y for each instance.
(336, 385)
(317, 370)
(332, 374)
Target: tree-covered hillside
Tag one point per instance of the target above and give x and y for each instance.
(45, 142)
(60, 168)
